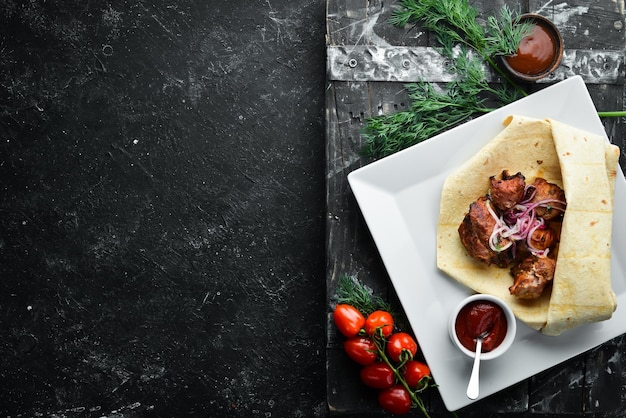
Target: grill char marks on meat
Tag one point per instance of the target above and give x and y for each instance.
(475, 231)
(508, 191)
(531, 276)
(544, 191)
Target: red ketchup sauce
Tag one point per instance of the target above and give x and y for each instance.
(478, 317)
(535, 53)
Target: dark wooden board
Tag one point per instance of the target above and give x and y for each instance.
(595, 32)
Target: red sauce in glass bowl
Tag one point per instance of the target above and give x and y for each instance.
(480, 317)
(536, 52)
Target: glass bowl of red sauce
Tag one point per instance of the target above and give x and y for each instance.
(486, 315)
(539, 53)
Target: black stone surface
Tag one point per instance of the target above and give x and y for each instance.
(162, 208)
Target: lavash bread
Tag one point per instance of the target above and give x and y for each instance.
(581, 292)
(582, 164)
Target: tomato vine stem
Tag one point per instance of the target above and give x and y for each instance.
(380, 342)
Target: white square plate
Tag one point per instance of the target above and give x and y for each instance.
(399, 198)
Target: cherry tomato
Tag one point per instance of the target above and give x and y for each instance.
(395, 399)
(414, 371)
(348, 320)
(379, 319)
(401, 345)
(377, 375)
(361, 349)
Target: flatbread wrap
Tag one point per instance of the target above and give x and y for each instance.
(584, 165)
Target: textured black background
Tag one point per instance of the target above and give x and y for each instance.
(162, 208)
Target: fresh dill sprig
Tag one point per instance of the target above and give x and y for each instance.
(351, 291)
(505, 32)
(467, 45)
(455, 21)
(433, 110)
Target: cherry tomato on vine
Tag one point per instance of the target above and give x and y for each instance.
(378, 375)
(395, 399)
(348, 319)
(401, 345)
(414, 371)
(379, 319)
(361, 349)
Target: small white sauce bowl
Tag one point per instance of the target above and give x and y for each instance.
(510, 331)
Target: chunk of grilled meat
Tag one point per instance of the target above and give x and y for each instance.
(531, 276)
(475, 231)
(543, 238)
(553, 194)
(508, 191)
